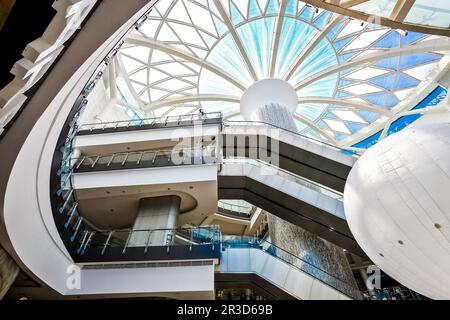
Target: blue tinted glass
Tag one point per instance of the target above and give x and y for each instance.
(339, 44)
(272, 7)
(253, 10)
(415, 59)
(336, 29)
(307, 13)
(322, 20)
(392, 39)
(433, 99)
(220, 26)
(257, 40)
(291, 7)
(236, 16)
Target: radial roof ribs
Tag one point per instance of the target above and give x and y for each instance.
(352, 79)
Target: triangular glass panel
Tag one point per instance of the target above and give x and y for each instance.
(414, 59)
(390, 40)
(253, 10)
(339, 44)
(307, 13)
(291, 7)
(322, 20)
(272, 7)
(221, 27)
(235, 15)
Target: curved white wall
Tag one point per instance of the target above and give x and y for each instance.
(397, 204)
(27, 209)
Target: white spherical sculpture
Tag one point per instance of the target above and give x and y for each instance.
(265, 92)
(397, 204)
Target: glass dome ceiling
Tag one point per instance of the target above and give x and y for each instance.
(421, 12)
(351, 78)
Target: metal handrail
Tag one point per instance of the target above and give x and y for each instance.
(148, 121)
(128, 157)
(247, 211)
(128, 235)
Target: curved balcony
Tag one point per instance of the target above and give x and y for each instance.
(234, 210)
(150, 123)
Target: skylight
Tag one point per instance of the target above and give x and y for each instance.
(206, 53)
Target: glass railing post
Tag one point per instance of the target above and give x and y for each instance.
(125, 159)
(147, 243)
(81, 162)
(168, 241)
(127, 242)
(95, 161)
(91, 234)
(77, 229)
(83, 240)
(140, 158)
(107, 242)
(64, 206)
(111, 160)
(71, 215)
(191, 239)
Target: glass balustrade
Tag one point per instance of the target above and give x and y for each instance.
(297, 262)
(146, 159)
(85, 238)
(236, 210)
(151, 122)
(144, 240)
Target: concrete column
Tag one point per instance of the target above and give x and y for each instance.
(8, 272)
(155, 213)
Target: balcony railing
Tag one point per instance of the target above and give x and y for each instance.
(236, 211)
(294, 261)
(148, 123)
(152, 244)
(145, 159)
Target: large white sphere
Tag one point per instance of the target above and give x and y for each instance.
(265, 92)
(397, 204)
